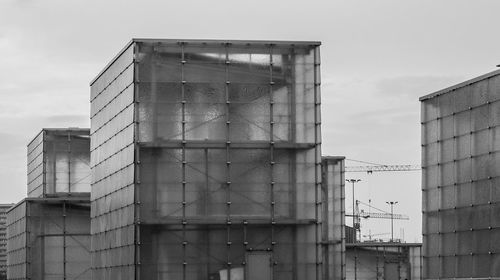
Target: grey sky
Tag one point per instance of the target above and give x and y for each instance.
(378, 57)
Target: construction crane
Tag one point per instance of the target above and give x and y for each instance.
(358, 214)
(377, 167)
(380, 168)
(370, 235)
(374, 167)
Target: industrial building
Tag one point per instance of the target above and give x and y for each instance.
(206, 162)
(384, 261)
(48, 233)
(3, 240)
(461, 180)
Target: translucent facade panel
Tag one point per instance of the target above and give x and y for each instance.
(226, 93)
(210, 184)
(112, 158)
(461, 190)
(67, 162)
(35, 166)
(205, 250)
(445, 103)
(415, 256)
(17, 243)
(494, 113)
(59, 162)
(190, 139)
(333, 188)
(49, 239)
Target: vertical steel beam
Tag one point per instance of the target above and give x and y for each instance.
(271, 151)
(317, 164)
(325, 240)
(64, 239)
(355, 263)
(54, 168)
(137, 200)
(377, 262)
(41, 233)
(183, 112)
(44, 163)
(342, 223)
(228, 163)
(69, 160)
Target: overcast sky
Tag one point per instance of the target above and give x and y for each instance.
(378, 57)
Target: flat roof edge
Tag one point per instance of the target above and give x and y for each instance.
(223, 41)
(134, 40)
(332, 157)
(71, 129)
(62, 129)
(460, 85)
(382, 244)
(82, 198)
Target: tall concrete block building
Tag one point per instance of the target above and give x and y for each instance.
(461, 180)
(206, 161)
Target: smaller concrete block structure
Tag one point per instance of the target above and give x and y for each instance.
(388, 261)
(333, 190)
(59, 162)
(49, 238)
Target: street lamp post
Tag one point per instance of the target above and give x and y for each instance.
(392, 218)
(353, 181)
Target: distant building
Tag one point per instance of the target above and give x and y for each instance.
(384, 261)
(350, 235)
(3, 240)
(461, 180)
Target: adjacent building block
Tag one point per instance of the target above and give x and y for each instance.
(461, 180)
(49, 238)
(59, 162)
(380, 260)
(333, 188)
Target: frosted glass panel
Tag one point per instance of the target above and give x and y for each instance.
(460, 181)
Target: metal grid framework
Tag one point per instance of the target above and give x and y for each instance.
(49, 238)
(59, 162)
(461, 180)
(374, 261)
(334, 217)
(206, 161)
(3, 239)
